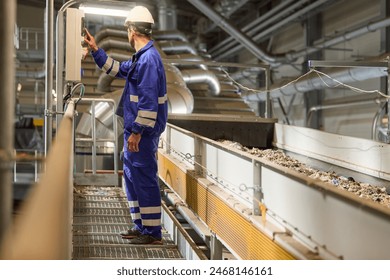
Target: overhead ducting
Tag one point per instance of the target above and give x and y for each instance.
(167, 17)
(177, 47)
(169, 35)
(196, 76)
(108, 44)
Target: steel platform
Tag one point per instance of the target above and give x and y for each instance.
(99, 214)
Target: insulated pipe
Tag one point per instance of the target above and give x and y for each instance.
(195, 76)
(247, 42)
(169, 35)
(110, 44)
(342, 38)
(167, 18)
(7, 78)
(110, 32)
(156, 35)
(180, 99)
(177, 46)
(188, 57)
(104, 82)
(119, 56)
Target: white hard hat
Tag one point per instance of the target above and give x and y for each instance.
(139, 14)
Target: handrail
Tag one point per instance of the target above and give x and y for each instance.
(44, 228)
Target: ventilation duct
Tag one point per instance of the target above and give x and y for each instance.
(196, 76)
(169, 35)
(177, 47)
(108, 44)
(167, 18)
(110, 32)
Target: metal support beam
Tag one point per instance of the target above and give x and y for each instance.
(215, 248)
(60, 42)
(7, 78)
(313, 32)
(49, 43)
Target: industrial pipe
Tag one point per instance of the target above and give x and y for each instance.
(269, 18)
(236, 34)
(196, 76)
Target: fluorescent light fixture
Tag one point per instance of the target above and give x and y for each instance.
(105, 11)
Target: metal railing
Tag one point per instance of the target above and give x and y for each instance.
(95, 140)
(27, 157)
(31, 38)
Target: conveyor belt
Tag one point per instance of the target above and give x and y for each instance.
(99, 213)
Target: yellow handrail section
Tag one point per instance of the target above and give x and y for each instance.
(43, 229)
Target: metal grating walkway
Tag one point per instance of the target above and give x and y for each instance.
(99, 213)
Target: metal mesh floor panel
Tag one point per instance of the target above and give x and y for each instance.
(99, 228)
(101, 211)
(100, 198)
(99, 214)
(85, 219)
(100, 204)
(126, 252)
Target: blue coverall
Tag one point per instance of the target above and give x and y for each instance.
(144, 108)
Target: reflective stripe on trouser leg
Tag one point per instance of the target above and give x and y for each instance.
(132, 199)
(145, 180)
(149, 198)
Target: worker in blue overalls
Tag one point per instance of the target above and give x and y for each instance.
(144, 108)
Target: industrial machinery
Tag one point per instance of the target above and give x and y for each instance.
(261, 208)
(253, 207)
(235, 185)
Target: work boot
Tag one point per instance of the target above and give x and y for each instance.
(130, 233)
(145, 239)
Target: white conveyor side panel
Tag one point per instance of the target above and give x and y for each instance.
(362, 155)
(232, 172)
(347, 229)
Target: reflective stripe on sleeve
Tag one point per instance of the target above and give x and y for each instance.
(108, 64)
(147, 114)
(115, 69)
(144, 121)
(161, 100)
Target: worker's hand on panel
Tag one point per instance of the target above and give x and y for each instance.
(90, 40)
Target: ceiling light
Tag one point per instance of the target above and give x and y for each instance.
(105, 11)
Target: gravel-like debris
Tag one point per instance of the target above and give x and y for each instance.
(363, 190)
